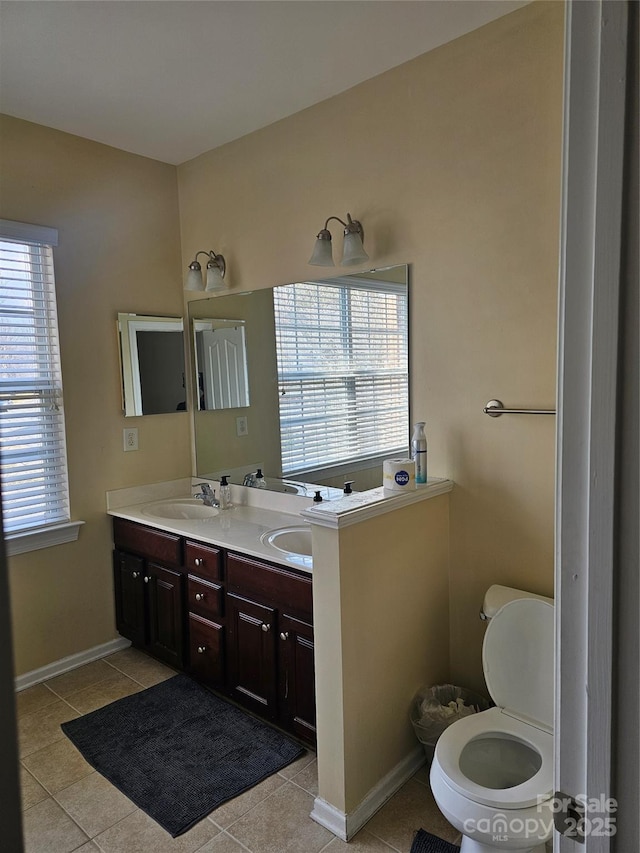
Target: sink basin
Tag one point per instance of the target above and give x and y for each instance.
(290, 540)
(188, 508)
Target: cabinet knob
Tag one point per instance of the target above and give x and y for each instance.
(265, 627)
(199, 596)
(284, 635)
(198, 561)
(135, 575)
(147, 578)
(202, 650)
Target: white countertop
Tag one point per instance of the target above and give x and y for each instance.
(236, 529)
(241, 527)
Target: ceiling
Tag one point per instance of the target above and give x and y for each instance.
(170, 79)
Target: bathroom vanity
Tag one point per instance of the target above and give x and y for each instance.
(239, 624)
(235, 599)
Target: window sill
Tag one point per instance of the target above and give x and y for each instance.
(41, 537)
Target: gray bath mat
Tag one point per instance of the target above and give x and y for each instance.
(178, 751)
(424, 842)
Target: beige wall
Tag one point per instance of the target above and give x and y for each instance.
(119, 250)
(395, 626)
(452, 163)
(381, 627)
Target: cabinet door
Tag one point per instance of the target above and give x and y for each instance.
(166, 614)
(128, 577)
(252, 654)
(206, 650)
(296, 684)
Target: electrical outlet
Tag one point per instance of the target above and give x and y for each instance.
(242, 427)
(130, 439)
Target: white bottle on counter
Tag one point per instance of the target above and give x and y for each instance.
(419, 452)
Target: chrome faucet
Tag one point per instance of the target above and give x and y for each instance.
(207, 495)
(249, 479)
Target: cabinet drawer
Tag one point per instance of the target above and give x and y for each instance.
(205, 598)
(206, 650)
(203, 560)
(269, 583)
(158, 545)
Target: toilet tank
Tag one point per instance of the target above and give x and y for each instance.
(496, 596)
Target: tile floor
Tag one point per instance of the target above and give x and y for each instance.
(68, 806)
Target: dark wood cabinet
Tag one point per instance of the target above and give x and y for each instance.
(240, 625)
(128, 573)
(252, 654)
(271, 651)
(206, 651)
(166, 614)
(206, 623)
(296, 687)
(149, 590)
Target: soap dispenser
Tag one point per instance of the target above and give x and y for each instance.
(261, 483)
(225, 492)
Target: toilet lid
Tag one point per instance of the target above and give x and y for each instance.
(517, 656)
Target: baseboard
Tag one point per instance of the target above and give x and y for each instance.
(345, 826)
(330, 817)
(58, 667)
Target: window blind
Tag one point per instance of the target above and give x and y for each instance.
(342, 355)
(32, 436)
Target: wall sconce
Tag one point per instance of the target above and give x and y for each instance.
(352, 249)
(216, 268)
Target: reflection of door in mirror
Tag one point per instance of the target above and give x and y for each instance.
(152, 363)
(221, 364)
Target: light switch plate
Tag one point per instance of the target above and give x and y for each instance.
(242, 427)
(130, 439)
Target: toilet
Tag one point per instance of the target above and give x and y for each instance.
(492, 772)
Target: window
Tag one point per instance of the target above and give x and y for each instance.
(342, 371)
(32, 436)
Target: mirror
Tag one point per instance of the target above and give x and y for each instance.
(152, 364)
(326, 368)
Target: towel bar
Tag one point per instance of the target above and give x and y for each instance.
(495, 408)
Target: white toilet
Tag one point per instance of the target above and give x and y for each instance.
(492, 772)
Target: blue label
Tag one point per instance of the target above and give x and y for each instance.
(402, 478)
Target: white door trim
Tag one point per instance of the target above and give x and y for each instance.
(595, 66)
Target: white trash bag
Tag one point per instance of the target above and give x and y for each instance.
(435, 708)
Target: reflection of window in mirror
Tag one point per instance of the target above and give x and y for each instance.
(152, 362)
(342, 351)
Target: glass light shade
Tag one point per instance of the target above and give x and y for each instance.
(353, 251)
(194, 279)
(322, 255)
(214, 278)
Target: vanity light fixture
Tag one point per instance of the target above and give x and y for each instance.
(216, 268)
(352, 249)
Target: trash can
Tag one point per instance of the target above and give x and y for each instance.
(435, 708)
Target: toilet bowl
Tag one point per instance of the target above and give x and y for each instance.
(492, 772)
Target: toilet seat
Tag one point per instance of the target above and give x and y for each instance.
(517, 659)
(495, 723)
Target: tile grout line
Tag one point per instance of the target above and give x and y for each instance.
(229, 835)
(66, 813)
(378, 838)
(122, 672)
